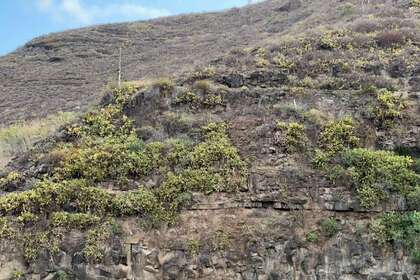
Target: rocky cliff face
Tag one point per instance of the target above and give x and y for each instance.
(294, 159)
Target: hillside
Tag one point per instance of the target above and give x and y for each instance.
(68, 71)
(283, 143)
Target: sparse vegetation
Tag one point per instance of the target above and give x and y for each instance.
(329, 226)
(375, 174)
(11, 181)
(20, 137)
(165, 85)
(334, 138)
(312, 237)
(73, 220)
(193, 247)
(387, 109)
(293, 136)
(404, 227)
(153, 149)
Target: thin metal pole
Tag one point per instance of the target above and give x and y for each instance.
(119, 68)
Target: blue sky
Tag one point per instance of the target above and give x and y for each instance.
(22, 20)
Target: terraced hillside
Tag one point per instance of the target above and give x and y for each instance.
(295, 157)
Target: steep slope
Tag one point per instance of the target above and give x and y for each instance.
(296, 158)
(67, 71)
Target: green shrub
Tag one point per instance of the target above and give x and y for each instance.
(413, 198)
(293, 136)
(338, 135)
(108, 121)
(48, 196)
(165, 85)
(415, 4)
(33, 244)
(261, 59)
(96, 242)
(141, 202)
(312, 237)
(222, 240)
(11, 181)
(6, 230)
(403, 227)
(62, 275)
(283, 62)
(188, 97)
(417, 165)
(73, 220)
(329, 226)
(193, 247)
(205, 73)
(330, 40)
(18, 275)
(27, 218)
(387, 108)
(374, 173)
(110, 158)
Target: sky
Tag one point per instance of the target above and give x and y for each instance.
(22, 20)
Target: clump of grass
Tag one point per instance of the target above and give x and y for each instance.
(329, 226)
(19, 137)
(312, 237)
(165, 85)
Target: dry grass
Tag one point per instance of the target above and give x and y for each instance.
(20, 137)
